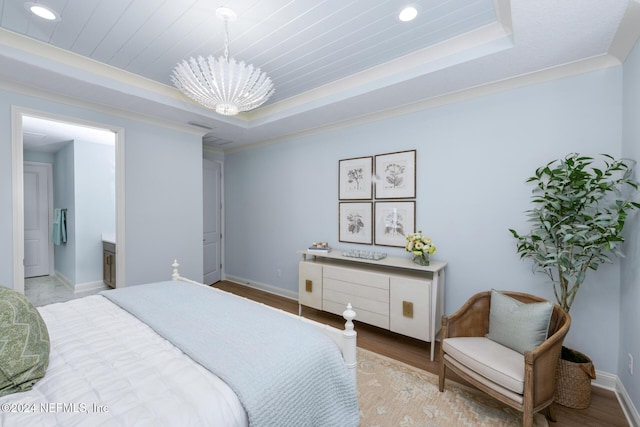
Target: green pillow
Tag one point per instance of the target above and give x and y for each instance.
(519, 326)
(24, 343)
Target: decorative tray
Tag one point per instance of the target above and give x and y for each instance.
(353, 253)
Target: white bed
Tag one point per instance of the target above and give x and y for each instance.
(107, 368)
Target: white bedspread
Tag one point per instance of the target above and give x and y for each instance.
(98, 376)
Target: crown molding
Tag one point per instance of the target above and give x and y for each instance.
(554, 73)
(628, 32)
(486, 40)
(75, 102)
(27, 46)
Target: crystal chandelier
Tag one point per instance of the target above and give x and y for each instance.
(223, 84)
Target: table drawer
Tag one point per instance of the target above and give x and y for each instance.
(355, 289)
(353, 275)
(362, 302)
(362, 315)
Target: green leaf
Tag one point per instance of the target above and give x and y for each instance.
(578, 218)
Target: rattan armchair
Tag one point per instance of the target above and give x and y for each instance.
(538, 373)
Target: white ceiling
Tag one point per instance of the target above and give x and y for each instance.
(330, 60)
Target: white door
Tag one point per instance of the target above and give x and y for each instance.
(211, 187)
(37, 219)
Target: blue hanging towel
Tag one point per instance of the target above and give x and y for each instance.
(59, 226)
(63, 225)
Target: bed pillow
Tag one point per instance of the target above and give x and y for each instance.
(24, 343)
(517, 325)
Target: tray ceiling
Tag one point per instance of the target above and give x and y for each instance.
(330, 60)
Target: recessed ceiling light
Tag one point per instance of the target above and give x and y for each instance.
(408, 14)
(42, 11)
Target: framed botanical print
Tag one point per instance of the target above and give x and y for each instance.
(355, 223)
(394, 221)
(355, 178)
(396, 175)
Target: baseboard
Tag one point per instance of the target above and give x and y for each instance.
(263, 287)
(605, 380)
(65, 280)
(90, 286)
(612, 383)
(629, 409)
(80, 287)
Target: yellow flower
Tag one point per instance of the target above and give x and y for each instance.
(419, 245)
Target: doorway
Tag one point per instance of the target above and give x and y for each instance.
(212, 230)
(38, 207)
(18, 188)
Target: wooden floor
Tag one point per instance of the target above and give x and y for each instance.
(603, 411)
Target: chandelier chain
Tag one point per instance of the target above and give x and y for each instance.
(226, 39)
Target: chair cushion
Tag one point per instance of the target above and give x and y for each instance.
(493, 361)
(517, 325)
(24, 343)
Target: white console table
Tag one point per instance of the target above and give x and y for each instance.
(393, 293)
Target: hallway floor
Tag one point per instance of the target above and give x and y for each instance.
(45, 290)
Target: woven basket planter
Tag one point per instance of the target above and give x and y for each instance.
(573, 380)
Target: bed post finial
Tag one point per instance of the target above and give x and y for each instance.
(349, 337)
(349, 315)
(175, 265)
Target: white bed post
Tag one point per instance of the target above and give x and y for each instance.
(349, 336)
(175, 275)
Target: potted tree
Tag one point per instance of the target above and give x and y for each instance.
(579, 211)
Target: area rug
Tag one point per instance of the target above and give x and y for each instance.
(391, 393)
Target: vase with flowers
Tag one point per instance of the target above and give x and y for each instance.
(420, 246)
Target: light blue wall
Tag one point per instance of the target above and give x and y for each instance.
(213, 155)
(38, 156)
(163, 202)
(163, 173)
(64, 198)
(472, 162)
(630, 288)
(95, 206)
(84, 184)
